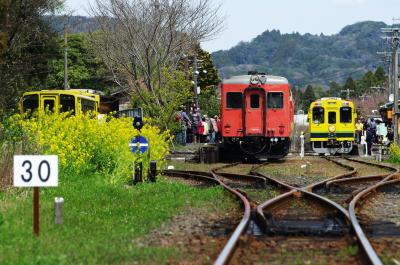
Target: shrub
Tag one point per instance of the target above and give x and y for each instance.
(85, 144)
(394, 153)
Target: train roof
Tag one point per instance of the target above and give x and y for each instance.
(331, 102)
(68, 91)
(245, 79)
(332, 98)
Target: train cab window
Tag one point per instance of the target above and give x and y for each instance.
(67, 103)
(88, 105)
(234, 100)
(30, 102)
(318, 115)
(331, 117)
(255, 101)
(345, 115)
(275, 100)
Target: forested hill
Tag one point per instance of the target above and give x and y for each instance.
(307, 58)
(76, 24)
(303, 59)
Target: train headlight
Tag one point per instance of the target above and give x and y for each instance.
(331, 128)
(254, 79)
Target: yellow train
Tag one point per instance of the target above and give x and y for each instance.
(75, 100)
(332, 125)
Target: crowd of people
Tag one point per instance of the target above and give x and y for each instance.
(196, 128)
(373, 131)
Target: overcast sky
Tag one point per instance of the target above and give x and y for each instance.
(245, 19)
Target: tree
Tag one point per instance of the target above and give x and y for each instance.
(140, 39)
(85, 70)
(380, 75)
(176, 90)
(208, 81)
(367, 82)
(351, 85)
(298, 99)
(208, 77)
(308, 97)
(26, 43)
(319, 91)
(334, 89)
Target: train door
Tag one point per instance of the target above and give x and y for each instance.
(254, 113)
(48, 102)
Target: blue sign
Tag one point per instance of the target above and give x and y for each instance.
(139, 144)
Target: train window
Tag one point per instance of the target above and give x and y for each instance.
(88, 105)
(67, 103)
(345, 115)
(275, 100)
(331, 117)
(30, 102)
(234, 100)
(49, 104)
(255, 101)
(318, 115)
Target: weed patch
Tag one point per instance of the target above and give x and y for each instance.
(101, 221)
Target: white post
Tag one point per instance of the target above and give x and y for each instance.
(380, 153)
(58, 210)
(302, 145)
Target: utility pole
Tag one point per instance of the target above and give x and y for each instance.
(394, 38)
(387, 58)
(66, 86)
(391, 90)
(395, 61)
(347, 92)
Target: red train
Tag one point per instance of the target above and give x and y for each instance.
(257, 115)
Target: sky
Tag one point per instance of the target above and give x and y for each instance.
(245, 19)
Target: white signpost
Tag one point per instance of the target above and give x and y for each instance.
(35, 171)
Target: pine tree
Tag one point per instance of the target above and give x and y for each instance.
(351, 85)
(367, 82)
(334, 89)
(208, 77)
(308, 96)
(380, 75)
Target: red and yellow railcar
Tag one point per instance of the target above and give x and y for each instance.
(257, 115)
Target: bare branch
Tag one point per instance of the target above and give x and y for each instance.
(138, 39)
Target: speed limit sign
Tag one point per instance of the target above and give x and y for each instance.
(35, 171)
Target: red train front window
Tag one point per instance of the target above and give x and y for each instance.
(234, 100)
(275, 100)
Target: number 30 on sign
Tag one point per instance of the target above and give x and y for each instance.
(35, 171)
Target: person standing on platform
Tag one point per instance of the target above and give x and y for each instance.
(214, 130)
(185, 121)
(370, 139)
(206, 130)
(196, 122)
(359, 131)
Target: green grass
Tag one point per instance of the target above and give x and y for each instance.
(260, 195)
(101, 221)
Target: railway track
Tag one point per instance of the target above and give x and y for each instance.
(289, 217)
(343, 188)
